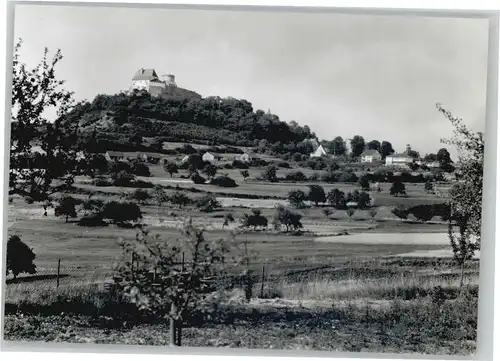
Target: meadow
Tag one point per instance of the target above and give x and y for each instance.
(345, 283)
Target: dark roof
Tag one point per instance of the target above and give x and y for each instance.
(370, 152)
(145, 74)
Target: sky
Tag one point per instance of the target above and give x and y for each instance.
(340, 74)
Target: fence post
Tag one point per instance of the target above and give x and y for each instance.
(173, 328)
(262, 281)
(58, 272)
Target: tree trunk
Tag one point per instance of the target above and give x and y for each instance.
(179, 333)
(67, 217)
(462, 269)
(175, 327)
(173, 338)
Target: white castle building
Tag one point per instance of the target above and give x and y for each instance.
(148, 79)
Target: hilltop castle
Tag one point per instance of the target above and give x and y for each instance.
(148, 79)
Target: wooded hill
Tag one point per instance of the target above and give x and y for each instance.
(123, 119)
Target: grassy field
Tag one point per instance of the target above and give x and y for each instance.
(361, 291)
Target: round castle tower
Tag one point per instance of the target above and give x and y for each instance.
(169, 79)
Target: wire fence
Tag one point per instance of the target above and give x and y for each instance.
(66, 275)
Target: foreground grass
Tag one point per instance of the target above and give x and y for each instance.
(410, 306)
(425, 326)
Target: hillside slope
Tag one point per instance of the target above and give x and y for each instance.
(183, 116)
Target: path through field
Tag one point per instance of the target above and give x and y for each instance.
(434, 239)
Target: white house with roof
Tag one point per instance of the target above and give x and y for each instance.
(319, 152)
(245, 158)
(207, 157)
(370, 156)
(112, 155)
(429, 164)
(398, 159)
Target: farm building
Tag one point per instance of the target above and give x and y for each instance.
(245, 158)
(319, 152)
(112, 155)
(149, 157)
(428, 164)
(207, 157)
(398, 160)
(370, 156)
(185, 159)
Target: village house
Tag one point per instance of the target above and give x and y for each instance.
(399, 160)
(319, 152)
(185, 159)
(207, 157)
(429, 164)
(149, 157)
(370, 156)
(112, 155)
(245, 158)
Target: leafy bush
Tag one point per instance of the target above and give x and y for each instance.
(286, 218)
(29, 200)
(316, 194)
(245, 174)
(171, 168)
(397, 188)
(297, 176)
(208, 203)
(364, 200)
(224, 181)
(314, 177)
(270, 174)
(210, 170)
(141, 169)
(256, 219)
(283, 165)
(336, 198)
(401, 213)
(121, 212)
(94, 220)
(238, 164)
(297, 197)
(180, 199)
(140, 196)
(364, 183)
(347, 177)
(67, 207)
(101, 182)
(198, 179)
(123, 179)
(424, 212)
(19, 257)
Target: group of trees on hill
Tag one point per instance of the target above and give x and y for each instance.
(220, 120)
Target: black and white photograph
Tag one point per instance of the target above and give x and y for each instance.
(245, 178)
